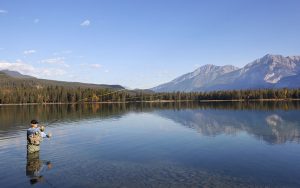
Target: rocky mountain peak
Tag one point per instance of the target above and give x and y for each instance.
(264, 72)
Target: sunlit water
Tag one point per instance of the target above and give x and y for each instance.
(147, 145)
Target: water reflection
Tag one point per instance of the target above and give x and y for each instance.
(36, 168)
(273, 122)
(275, 127)
(155, 145)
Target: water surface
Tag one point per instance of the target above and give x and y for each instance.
(154, 145)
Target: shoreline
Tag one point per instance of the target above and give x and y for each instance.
(157, 101)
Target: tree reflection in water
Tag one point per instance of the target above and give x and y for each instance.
(279, 119)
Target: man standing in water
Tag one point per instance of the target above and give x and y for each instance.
(35, 136)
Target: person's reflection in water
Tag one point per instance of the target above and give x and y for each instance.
(35, 167)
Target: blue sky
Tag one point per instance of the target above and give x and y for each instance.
(141, 43)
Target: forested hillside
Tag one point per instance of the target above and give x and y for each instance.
(32, 90)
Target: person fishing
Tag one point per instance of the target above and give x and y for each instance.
(35, 136)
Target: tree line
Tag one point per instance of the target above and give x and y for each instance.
(251, 94)
(61, 94)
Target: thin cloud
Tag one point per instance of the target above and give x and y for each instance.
(56, 61)
(3, 11)
(85, 23)
(62, 52)
(96, 66)
(92, 66)
(36, 20)
(25, 68)
(50, 72)
(16, 66)
(28, 52)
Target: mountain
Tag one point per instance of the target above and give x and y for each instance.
(270, 71)
(15, 74)
(196, 79)
(15, 79)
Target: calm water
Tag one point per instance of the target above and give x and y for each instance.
(162, 145)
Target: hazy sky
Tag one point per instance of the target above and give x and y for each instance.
(141, 43)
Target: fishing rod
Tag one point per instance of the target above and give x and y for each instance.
(42, 127)
(51, 122)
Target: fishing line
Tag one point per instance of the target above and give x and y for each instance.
(147, 95)
(102, 95)
(133, 97)
(51, 122)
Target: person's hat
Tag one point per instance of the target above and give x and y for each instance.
(34, 122)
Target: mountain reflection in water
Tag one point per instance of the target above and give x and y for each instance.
(224, 144)
(268, 121)
(266, 125)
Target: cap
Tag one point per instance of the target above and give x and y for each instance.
(34, 121)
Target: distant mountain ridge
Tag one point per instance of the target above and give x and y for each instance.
(16, 79)
(15, 74)
(270, 71)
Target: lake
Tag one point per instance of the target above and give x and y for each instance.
(224, 144)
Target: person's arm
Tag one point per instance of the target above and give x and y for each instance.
(43, 135)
